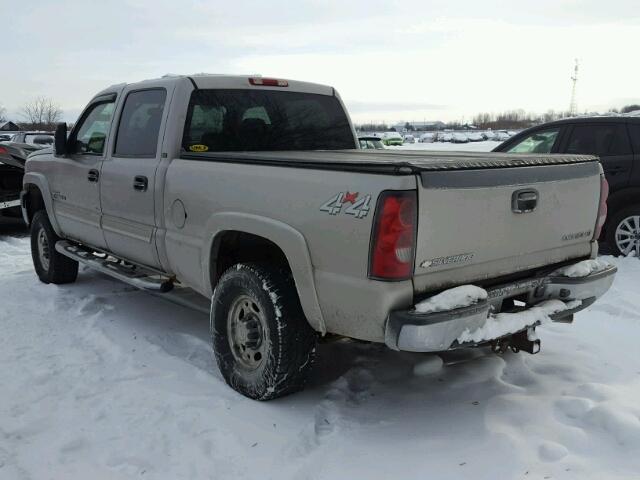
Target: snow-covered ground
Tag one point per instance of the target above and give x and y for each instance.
(100, 381)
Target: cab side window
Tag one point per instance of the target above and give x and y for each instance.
(139, 125)
(91, 135)
(600, 140)
(538, 142)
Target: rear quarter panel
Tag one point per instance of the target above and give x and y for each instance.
(284, 204)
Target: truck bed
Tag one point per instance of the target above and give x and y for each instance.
(405, 162)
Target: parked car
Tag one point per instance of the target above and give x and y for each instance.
(616, 140)
(6, 137)
(42, 139)
(369, 142)
(409, 139)
(428, 137)
(475, 137)
(489, 135)
(291, 236)
(501, 136)
(392, 138)
(459, 137)
(445, 137)
(10, 186)
(13, 156)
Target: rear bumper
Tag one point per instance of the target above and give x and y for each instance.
(434, 332)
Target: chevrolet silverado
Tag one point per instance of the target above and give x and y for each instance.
(252, 193)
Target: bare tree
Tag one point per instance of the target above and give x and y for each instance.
(515, 119)
(42, 113)
(2, 113)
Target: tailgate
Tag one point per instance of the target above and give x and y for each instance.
(475, 224)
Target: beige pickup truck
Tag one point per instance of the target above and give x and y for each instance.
(251, 194)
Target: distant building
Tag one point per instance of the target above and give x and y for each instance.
(9, 127)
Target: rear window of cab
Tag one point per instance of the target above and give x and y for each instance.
(252, 120)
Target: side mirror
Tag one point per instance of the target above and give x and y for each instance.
(60, 140)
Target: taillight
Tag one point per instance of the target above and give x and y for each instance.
(602, 208)
(267, 82)
(3, 150)
(394, 236)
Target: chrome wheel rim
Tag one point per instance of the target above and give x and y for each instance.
(245, 327)
(628, 235)
(43, 250)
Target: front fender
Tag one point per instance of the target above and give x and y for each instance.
(290, 241)
(40, 181)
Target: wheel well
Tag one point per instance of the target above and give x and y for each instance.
(34, 201)
(232, 247)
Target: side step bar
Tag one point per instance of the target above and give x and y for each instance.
(185, 297)
(134, 275)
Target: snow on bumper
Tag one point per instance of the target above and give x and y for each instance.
(555, 297)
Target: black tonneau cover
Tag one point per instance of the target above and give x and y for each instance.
(396, 162)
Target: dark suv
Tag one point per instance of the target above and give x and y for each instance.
(616, 140)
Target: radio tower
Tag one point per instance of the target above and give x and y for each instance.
(573, 107)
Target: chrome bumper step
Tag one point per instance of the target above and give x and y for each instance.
(439, 331)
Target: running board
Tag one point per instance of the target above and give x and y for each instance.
(185, 297)
(134, 275)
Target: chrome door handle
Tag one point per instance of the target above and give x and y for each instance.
(140, 183)
(93, 176)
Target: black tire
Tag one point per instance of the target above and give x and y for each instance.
(612, 245)
(286, 344)
(51, 266)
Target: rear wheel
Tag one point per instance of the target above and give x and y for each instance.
(263, 343)
(623, 232)
(51, 266)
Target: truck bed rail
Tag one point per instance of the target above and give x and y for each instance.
(406, 162)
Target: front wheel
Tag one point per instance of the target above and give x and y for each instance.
(50, 266)
(623, 232)
(263, 344)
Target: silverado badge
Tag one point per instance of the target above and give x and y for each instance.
(436, 262)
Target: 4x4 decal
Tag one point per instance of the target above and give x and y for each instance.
(359, 208)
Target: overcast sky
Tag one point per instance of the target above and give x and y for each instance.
(389, 60)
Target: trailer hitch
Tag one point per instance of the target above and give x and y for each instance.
(517, 342)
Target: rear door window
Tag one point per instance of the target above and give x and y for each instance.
(602, 140)
(139, 125)
(634, 131)
(252, 120)
(621, 145)
(541, 141)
